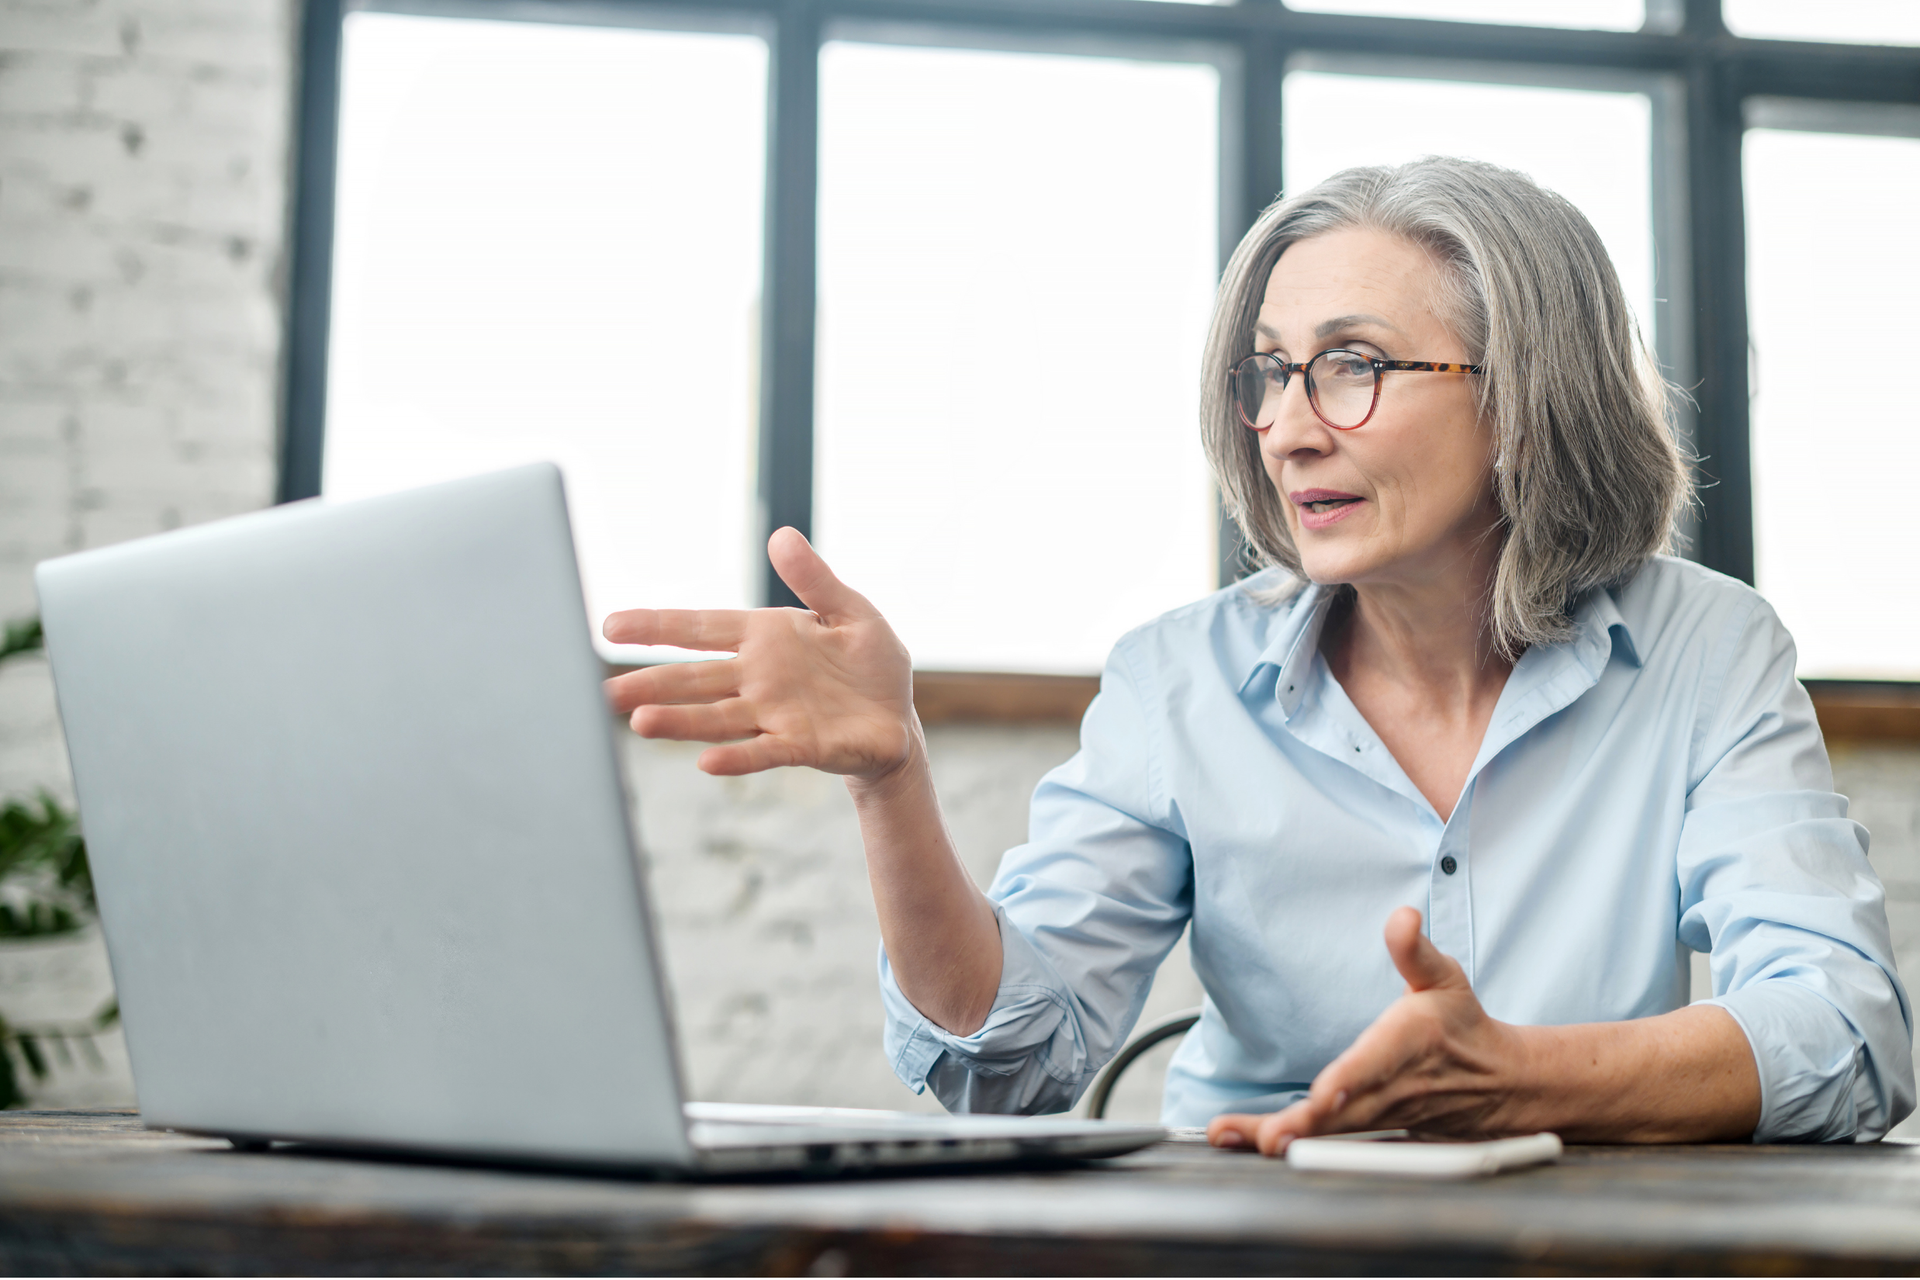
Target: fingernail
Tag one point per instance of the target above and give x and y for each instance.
(1230, 1138)
(1339, 1100)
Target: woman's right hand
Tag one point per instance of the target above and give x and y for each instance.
(831, 688)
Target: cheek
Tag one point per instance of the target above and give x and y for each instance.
(1445, 473)
(1424, 500)
(1422, 493)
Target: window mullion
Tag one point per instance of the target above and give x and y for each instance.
(1250, 169)
(785, 480)
(1717, 211)
(303, 413)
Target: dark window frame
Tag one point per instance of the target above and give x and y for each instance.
(1685, 41)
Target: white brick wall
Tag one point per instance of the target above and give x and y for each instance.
(143, 160)
(1884, 782)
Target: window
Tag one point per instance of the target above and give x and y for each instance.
(1836, 426)
(1856, 22)
(697, 243)
(548, 246)
(1017, 260)
(1607, 15)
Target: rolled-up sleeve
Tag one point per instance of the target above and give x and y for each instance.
(1088, 909)
(1775, 883)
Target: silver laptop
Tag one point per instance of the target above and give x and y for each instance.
(351, 793)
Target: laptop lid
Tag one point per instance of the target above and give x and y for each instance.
(358, 829)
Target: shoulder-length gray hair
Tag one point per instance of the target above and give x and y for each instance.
(1586, 471)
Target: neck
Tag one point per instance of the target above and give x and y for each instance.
(1432, 634)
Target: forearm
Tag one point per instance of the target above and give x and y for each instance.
(1435, 1062)
(942, 939)
(1685, 1076)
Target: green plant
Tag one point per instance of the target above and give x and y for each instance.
(46, 887)
(46, 890)
(22, 635)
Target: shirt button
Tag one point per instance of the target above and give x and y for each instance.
(1448, 865)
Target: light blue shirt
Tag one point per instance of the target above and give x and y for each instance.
(1656, 784)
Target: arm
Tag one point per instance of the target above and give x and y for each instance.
(1434, 1061)
(1088, 908)
(1809, 1033)
(831, 689)
(1774, 882)
(936, 925)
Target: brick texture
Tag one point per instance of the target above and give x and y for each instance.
(143, 162)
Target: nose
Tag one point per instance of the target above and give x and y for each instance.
(1292, 426)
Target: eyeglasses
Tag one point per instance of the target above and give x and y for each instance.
(1342, 386)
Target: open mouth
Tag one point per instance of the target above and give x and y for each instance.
(1323, 508)
(1321, 501)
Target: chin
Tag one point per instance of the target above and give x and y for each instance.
(1329, 570)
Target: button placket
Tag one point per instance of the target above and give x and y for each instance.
(1450, 903)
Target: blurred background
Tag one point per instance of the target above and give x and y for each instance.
(925, 278)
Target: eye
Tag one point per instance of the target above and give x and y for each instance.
(1347, 364)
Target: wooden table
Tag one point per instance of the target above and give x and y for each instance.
(95, 1192)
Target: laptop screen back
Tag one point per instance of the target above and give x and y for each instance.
(356, 821)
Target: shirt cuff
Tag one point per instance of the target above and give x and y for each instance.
(1031, 1040)
(1815, 1085)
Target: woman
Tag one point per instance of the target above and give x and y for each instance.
(1468, 699)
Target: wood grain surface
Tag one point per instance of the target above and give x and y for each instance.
(1866, 712)
(94, 1192)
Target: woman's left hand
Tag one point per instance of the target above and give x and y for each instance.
(1434, 1061)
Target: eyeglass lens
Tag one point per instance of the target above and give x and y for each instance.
(1340, 384)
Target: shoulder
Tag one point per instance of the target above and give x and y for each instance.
(1672, 606)
(1227, 630)
(1706, 641)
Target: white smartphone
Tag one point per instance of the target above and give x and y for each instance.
(1422, 1159)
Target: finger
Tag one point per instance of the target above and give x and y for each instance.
(719, 722)
(1233, 1130)
(1277, 1131)
(751, 756)
(801, 568)
(674, 682)
(707, 630)
(1356, 1085)
(1355, 1098)
(1422, 964)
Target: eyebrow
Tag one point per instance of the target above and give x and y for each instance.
(1327, 328)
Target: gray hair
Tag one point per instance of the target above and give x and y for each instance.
(1588, 477)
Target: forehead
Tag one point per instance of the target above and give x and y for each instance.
(1353, 271)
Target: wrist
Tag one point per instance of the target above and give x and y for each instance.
(907, 776)
(1532, 1067)
(1568, 1080)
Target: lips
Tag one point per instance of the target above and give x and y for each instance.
(1321, 507)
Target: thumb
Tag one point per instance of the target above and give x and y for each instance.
(802, 569)
(1422, 964)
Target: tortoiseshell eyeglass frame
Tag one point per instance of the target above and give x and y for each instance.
(1287, 370)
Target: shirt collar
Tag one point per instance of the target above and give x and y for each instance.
(1290, 650)
(1600, 632)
